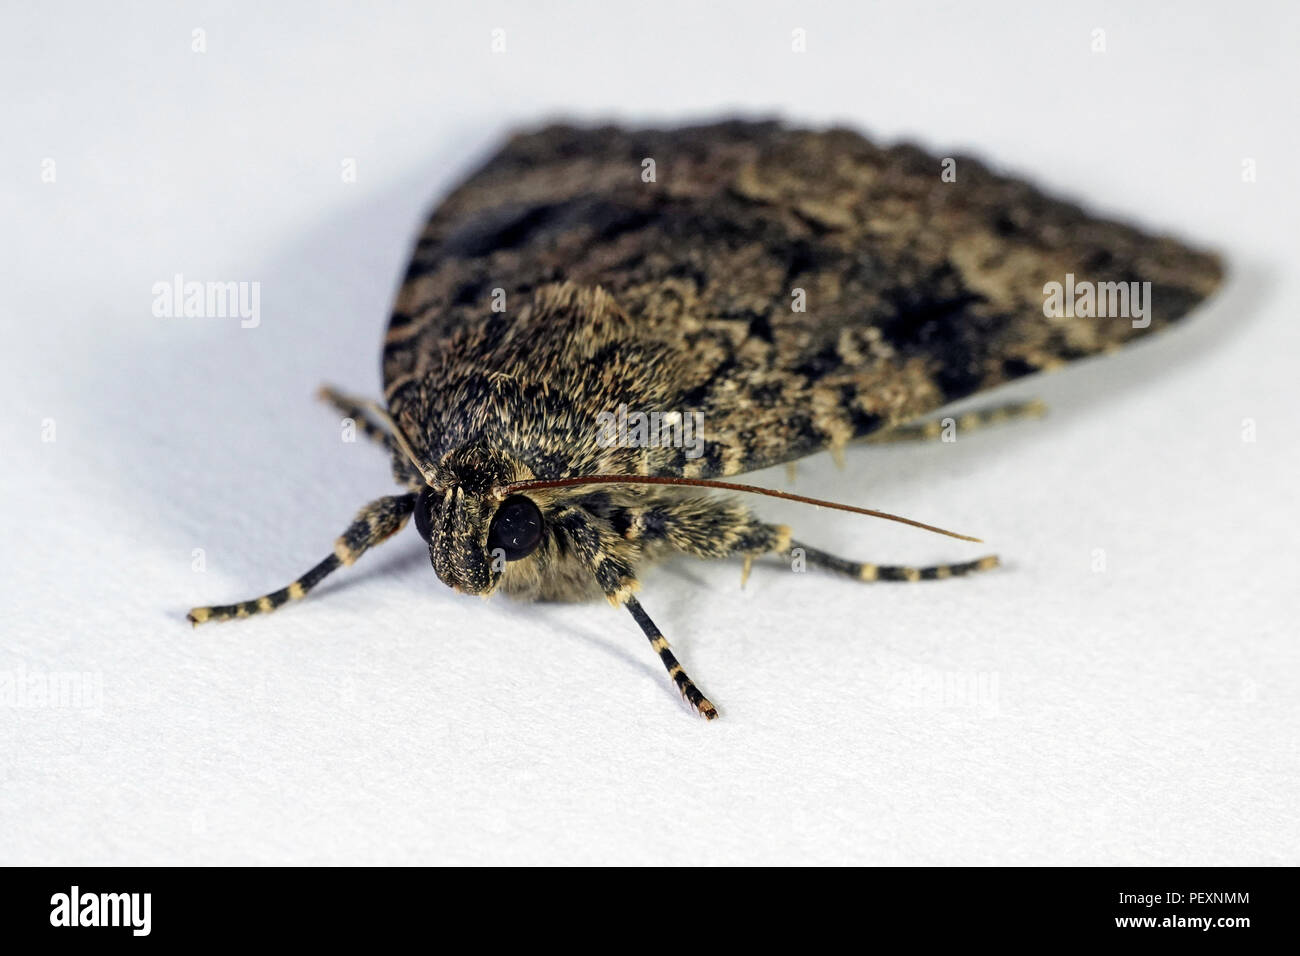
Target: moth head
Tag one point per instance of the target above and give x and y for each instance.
(472, 529)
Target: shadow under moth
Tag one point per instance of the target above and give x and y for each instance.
(788, 291)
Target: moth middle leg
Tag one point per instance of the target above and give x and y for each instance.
(708, 528)
(375, 523)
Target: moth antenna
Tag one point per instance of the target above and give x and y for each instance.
(420, 466)
(538, 483)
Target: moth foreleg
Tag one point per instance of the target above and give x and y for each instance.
(684, 684)
(376, 521)
(356, 409)
(864, 571)
(609, 557)
(968, 422)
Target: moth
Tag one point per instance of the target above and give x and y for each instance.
(790, 290)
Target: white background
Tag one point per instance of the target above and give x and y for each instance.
(1044, 713)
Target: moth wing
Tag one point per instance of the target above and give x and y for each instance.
(818, 287)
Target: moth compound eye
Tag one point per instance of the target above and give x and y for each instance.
(516, 528)
(423, 504)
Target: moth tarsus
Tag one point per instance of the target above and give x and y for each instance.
(796, 290)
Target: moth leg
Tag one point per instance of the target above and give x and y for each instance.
(684, 684)
(863, 571)
(376, 521)
(355, 409)
(609, 556)
(709, 528)
(969, 422)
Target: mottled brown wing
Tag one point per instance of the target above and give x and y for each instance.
(915, 291)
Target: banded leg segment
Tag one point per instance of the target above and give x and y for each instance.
(375, 522)
(710, 528)
(864, 571)
(970, 421)
(608, 556)
(684, 684)
(404, 471)
(355, 409)
(599, 548)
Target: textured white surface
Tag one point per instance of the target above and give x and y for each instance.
(1045, 713)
